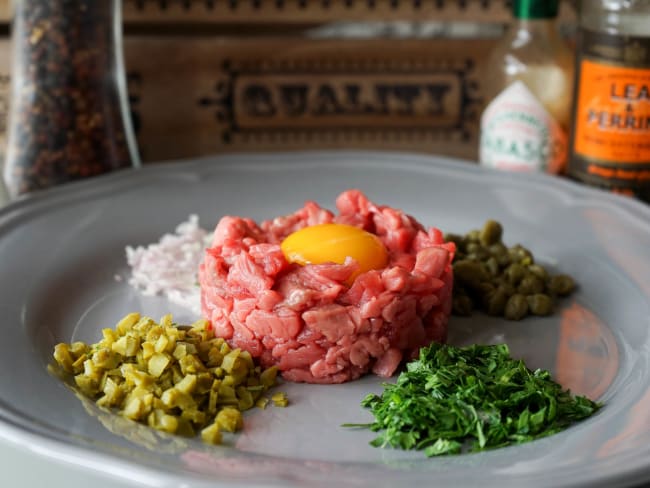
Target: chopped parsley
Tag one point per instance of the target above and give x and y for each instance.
(477, 395)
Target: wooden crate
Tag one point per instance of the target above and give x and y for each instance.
(213, 76)
(311, 11)
(279, 93)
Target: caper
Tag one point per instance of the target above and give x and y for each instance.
(540, 304)
(495, 302)
(516, 307)
(530, 284)
(469, 272)
(561, 285)
(462, 305)
(491, 233)
(492, 266)
(474, 235)
(472, 247)
(498, 248)
(485, 288)
(515, 273)
(507, 288)
(520, 254)
(477, 252)
(501, 280)
(538, 271)
(500, 253)
(480, 255)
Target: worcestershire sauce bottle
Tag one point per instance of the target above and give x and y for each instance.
(610, 143)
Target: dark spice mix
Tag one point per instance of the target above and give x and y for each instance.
(67, 119)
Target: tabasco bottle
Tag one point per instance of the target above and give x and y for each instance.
(529, 88)
(610, 144)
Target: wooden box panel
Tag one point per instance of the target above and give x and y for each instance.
(221, 95)
(312, 11)
(176, 13)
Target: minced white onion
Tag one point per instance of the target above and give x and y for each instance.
(169, 267)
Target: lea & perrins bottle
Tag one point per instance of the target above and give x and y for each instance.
(529, 86)
(610, 142)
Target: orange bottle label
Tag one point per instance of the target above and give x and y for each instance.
(613, 114)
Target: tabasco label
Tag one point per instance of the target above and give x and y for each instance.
(611, 139)
(519, 134)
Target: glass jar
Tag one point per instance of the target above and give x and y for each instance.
(69, 112)
(610, 146)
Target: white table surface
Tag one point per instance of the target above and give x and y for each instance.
(22, 468)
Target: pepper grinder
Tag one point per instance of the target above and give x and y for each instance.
(69, 116)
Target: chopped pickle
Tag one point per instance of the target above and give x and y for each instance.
(127, 345)
(106, 359)
(148, 350)
(166, 320)
(113, 394)
(158, 419)
(87, 386)
(246, 399)
(63, 357)
(157, 363)
(214, 356)
(191, 364)
(133, 409)
(280, 399)
(124, 325)
(180, 380)
(173, 397)
(187, 384)
(161, 344)
(197, 417)
(180, 351)
(268, 376)
(229, 419)
(211, 434)
(78, 348)
(110, 336)
(262, 402)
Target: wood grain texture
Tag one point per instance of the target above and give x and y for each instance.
(223, 95)
(174, 13)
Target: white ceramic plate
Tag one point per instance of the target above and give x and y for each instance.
(62, 250)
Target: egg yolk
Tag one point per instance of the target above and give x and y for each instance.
(332, 243)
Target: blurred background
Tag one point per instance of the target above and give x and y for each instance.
(214, 76)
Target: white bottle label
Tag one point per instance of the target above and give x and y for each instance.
(518, 134)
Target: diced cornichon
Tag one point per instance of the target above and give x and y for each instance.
(229, 419)
(179, 380)
(64, 358)
(280, 399)
(157, 363)
(211, 434)
(127, 345)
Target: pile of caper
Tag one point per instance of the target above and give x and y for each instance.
(500, 280)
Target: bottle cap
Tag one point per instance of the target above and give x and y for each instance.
(535, 9)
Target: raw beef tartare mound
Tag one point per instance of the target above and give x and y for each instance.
(317, 322)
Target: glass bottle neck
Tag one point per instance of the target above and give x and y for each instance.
(538, 29)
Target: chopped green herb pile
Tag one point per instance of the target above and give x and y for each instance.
(451, 395)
